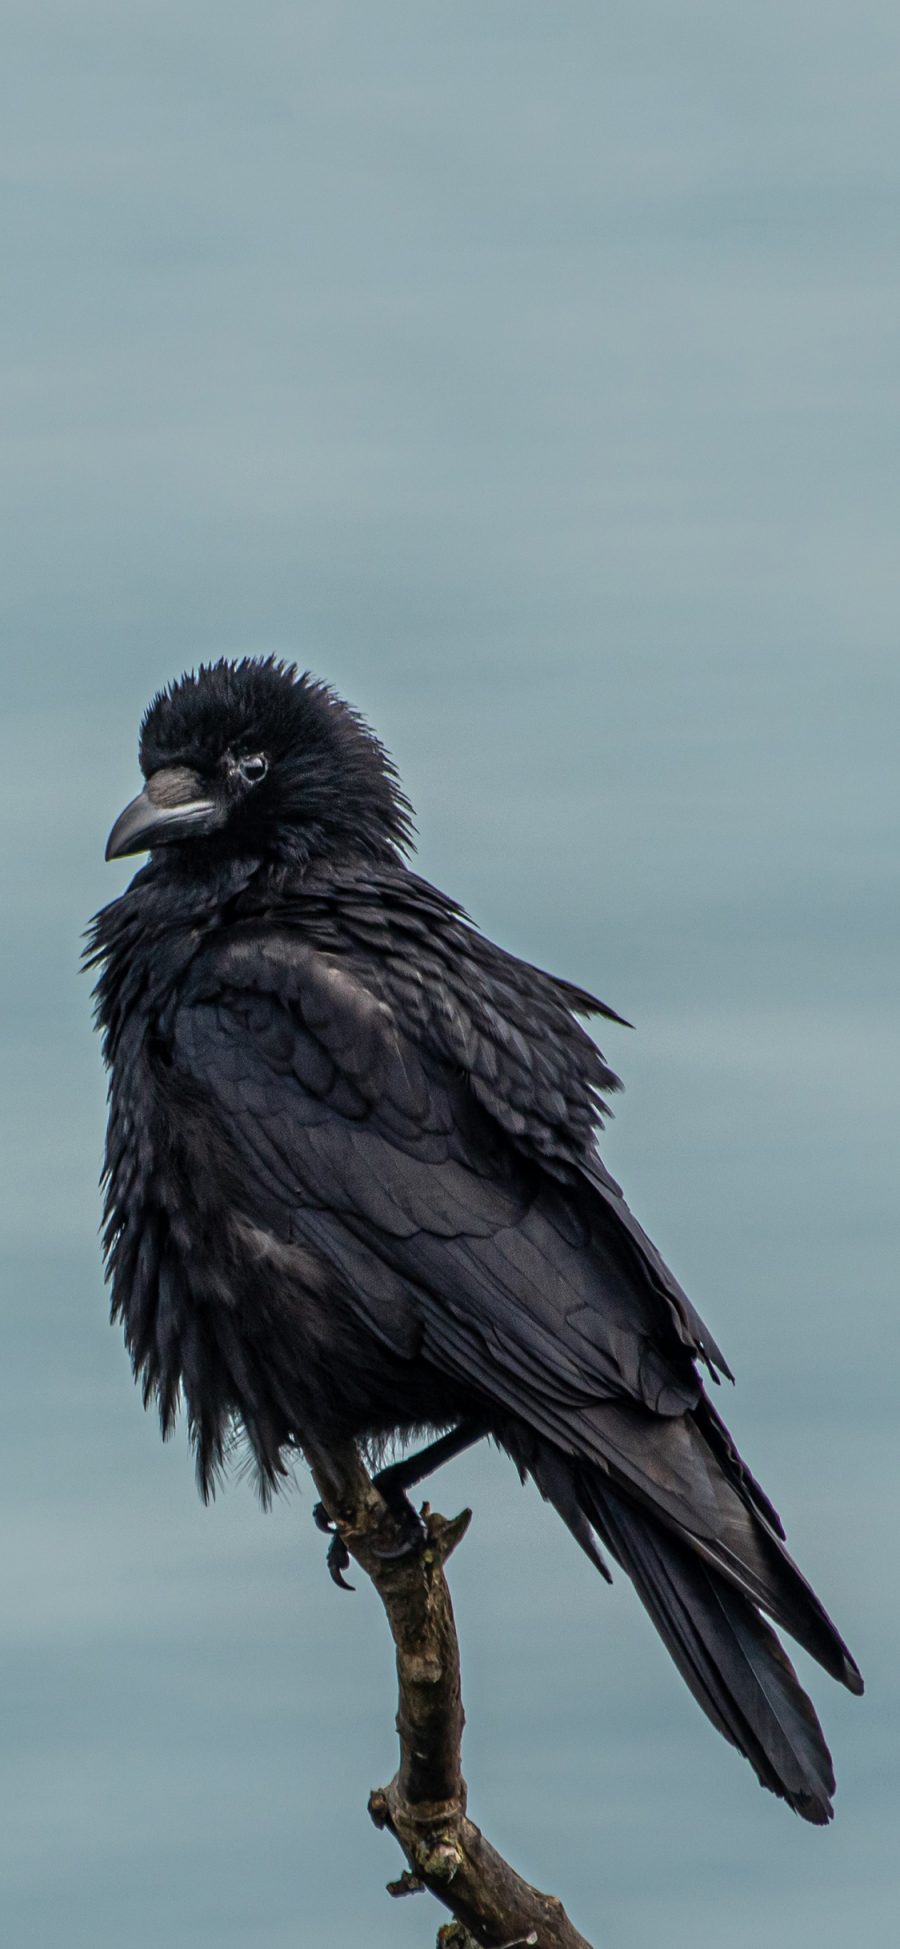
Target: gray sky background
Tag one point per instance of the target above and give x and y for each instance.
(531, 372)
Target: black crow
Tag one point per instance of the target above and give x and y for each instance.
(353, 1190)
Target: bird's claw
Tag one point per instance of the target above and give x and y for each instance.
(338, 1556)
(338, 1560)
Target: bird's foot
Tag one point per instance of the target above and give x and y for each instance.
(409, 1528)
(407, 1531)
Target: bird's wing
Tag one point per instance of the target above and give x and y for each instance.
(352, 1140)
(512, 1029)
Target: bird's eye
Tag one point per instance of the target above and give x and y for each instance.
(253, 768)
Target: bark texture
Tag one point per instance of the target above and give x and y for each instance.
(424, 1806)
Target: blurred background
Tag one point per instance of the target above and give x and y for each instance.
(531, 372)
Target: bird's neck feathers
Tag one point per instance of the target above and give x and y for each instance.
(142, 942)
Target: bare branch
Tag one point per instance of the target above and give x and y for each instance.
(424, 1806)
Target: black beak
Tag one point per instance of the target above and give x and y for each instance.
(170, 807)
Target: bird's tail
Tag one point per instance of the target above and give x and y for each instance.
(727, 1654)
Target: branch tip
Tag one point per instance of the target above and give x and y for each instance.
(406, 1884)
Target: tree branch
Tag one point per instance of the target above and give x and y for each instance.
(424, 1806)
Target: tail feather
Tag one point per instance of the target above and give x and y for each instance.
(727, 1654)
(729, 1657)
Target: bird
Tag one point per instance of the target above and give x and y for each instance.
(353, 1192)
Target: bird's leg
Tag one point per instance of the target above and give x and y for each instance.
(393, 1482)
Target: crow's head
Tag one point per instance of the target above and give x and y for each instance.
(249, 760)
